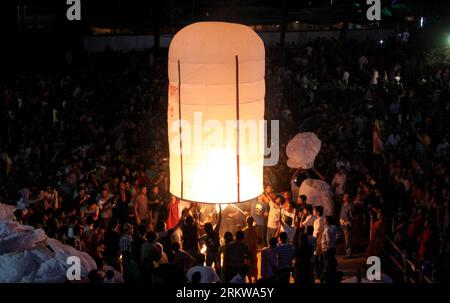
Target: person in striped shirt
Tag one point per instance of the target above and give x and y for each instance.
(126, 241)
(286, 253)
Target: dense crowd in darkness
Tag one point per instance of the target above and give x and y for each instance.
(84, 156)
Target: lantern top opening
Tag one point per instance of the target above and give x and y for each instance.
(213, 42)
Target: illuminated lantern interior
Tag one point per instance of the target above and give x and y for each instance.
(216, 79)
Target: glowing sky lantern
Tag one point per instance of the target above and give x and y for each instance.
(216, 90)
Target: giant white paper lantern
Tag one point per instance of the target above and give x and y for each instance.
(318, 193)
(302, 150)
(216, 80)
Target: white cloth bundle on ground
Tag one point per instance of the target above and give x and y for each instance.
(302, 150)
(27, 255)
(317, 193)
(15, 237)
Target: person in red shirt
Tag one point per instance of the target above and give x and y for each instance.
(427, 243)
(173, 217)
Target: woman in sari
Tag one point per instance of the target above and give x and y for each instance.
(377, 232)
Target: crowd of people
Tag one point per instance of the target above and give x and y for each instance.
(84, 156)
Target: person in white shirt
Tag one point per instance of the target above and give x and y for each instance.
(318, 223)
(308, 216)
(288, 213)
(208, 275)
(328, 241)
(338, 183)
(273, 221)
(405, 36)
(105, 205)
(317, 234)
(288, 221)
(375, 76)
(345, 78)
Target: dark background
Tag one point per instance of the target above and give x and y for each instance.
(37, 31)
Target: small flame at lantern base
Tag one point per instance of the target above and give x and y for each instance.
(203, 250)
